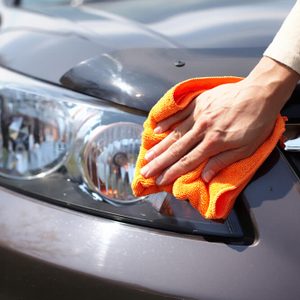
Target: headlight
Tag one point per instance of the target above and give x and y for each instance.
(42, 131)
(108, 160)
(35, 133)
(74, 150)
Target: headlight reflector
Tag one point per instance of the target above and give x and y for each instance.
(108, 160)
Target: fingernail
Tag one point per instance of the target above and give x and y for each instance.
(149, 155)
(144, 170)
(159, 180)
(157, 130)
(207, 176)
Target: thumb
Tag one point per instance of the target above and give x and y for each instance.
(216, 163)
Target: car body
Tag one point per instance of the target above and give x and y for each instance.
(55, 249)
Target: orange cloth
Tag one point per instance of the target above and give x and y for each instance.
(215, 199)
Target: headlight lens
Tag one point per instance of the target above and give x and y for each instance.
(35, 133)
(108, 160)
(74, 150)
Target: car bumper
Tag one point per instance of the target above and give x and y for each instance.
(54, 252)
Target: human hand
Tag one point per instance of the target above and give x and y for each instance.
(222, 125)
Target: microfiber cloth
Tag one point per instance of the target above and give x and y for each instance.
(214, 200)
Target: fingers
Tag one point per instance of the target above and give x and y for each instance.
(176, 151)
(189, 162)
(179, 116)
(174, 136)
(223, 160)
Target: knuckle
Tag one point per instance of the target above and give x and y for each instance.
(185, 161)
(217, 136)
(154, 152)
(157, 166)
(174, 151)
(194, 138)
(217, 164)
(154, 164)
(169, 174)
(212, 141)
(176, 134)
(199, 152)
(202, 124)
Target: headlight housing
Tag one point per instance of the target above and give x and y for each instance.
(77, 151)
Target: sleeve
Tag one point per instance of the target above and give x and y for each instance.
(285, 47)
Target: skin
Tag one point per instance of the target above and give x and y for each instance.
(223, 125)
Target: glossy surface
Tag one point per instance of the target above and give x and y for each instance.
(165, 263)
(138, 78)
(35, 133)
(48, 251)
(229, 36)
(109, 158)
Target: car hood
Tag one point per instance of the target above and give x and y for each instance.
(147, 45)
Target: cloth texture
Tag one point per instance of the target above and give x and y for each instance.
(214, 200)
(285, 47)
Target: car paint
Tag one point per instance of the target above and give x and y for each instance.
(138, 259)
(67, 36)
(51, 252)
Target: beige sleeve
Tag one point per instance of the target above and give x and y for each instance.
(285, 46)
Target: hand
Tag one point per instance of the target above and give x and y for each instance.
(222, 125)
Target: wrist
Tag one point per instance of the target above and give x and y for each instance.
(275, 80)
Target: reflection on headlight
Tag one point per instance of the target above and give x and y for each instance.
(108, 160)
(41, 131)
(35, 134)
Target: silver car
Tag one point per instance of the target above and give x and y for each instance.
(77, 80)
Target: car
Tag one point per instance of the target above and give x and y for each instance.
(77, 80)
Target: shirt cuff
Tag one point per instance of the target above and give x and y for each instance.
(285, 56)
(285, 47)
